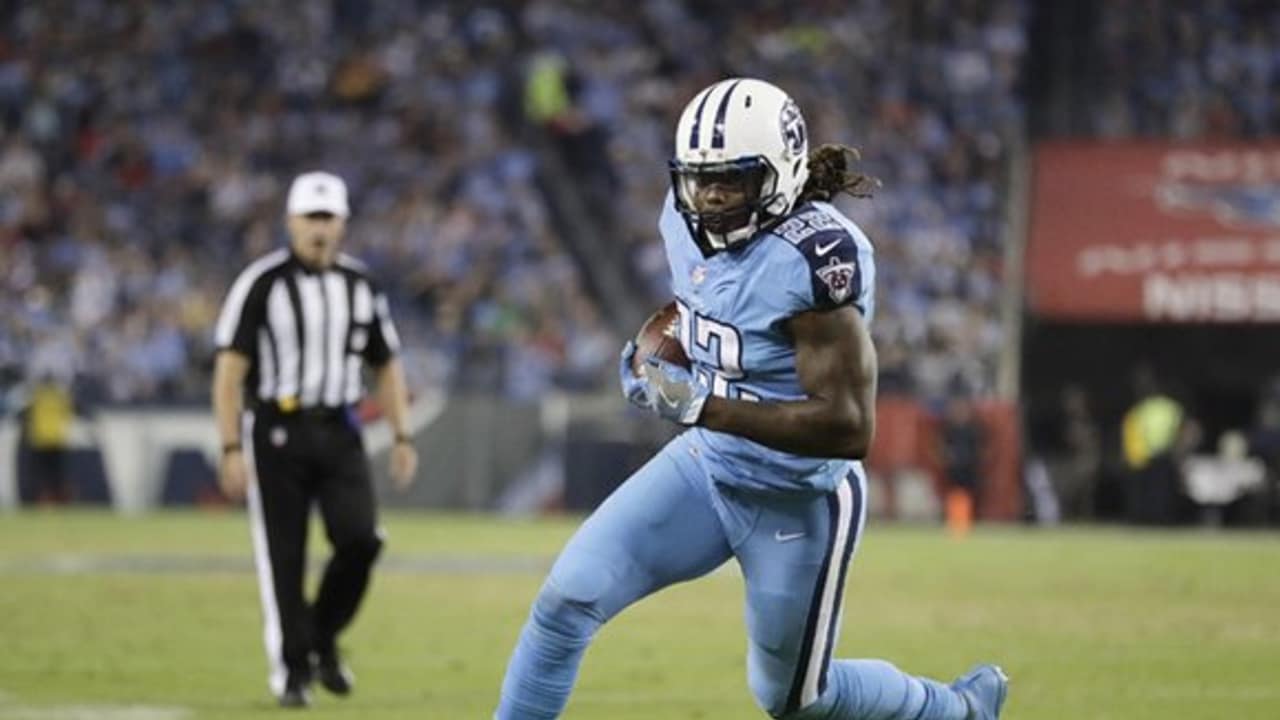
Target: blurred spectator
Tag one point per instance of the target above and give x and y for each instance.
(45, 437)
(1075, 454)
(1229, 483)
(1152, 441)
(1264, 444)
(961, 449)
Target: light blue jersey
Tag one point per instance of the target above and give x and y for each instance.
(792, 523)
(733, 310)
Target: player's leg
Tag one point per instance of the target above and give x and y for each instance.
(347, 505)
(279, 507)
(808, 543)
(657, 529)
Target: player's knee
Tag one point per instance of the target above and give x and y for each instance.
(363, 549)
(772, 679)
(771, 656)
(771, 690)
(567, 611)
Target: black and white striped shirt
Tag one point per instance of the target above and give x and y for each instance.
(306, 332)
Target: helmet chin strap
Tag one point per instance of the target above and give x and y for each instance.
(720, 241)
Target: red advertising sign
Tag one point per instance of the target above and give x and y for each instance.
(1155, 232)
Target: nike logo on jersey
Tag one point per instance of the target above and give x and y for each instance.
(824, 249)
(787, 537)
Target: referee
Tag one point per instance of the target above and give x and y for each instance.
(294, 331)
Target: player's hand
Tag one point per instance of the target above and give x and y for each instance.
(633, 386)
(675, 393)
(404, 465)
(233, 476)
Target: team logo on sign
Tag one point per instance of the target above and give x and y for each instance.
(1229, 203)
(838, 277)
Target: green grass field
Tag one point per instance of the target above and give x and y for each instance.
(157, 618)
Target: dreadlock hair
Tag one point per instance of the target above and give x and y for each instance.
(830, 174)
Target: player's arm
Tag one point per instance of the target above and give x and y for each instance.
(836, 364)
(242, 314)
(393, 396)
(383, 353)
(229, 371)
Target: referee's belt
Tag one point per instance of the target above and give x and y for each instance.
(289, 407)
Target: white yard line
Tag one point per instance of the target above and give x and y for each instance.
(67, 564)
(89, 712)
(95, 712)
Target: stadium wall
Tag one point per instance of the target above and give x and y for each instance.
(480, 453)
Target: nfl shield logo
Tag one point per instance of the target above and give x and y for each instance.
(698, 275)
(838, 277)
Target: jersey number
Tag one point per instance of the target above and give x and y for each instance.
(718, 346)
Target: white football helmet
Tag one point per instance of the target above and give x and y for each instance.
(746, 135)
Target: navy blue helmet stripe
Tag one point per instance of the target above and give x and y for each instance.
(697, 117)
(717, 136)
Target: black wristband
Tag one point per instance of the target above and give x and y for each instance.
(230, 448)
(401, 438)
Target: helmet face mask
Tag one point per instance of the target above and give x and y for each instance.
(751, 182)
(741, 160)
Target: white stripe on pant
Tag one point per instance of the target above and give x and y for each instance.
(272, 637)
(828, 613)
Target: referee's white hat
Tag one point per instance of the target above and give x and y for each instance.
(318, 192)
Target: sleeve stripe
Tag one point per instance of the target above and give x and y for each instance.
(388, 328)
(233, 307)
(362, 303)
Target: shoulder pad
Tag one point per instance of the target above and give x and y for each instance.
(830, 252)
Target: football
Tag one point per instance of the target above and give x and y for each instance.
(659, 337)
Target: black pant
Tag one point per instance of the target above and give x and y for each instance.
(298, 459)
(50, 482)
(1153, 496)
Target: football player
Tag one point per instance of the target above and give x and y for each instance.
(774, 289)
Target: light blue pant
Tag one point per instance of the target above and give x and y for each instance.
(668, 523)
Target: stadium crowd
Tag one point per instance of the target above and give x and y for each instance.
(146, 147)
(927, 90)
(1183, 70)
